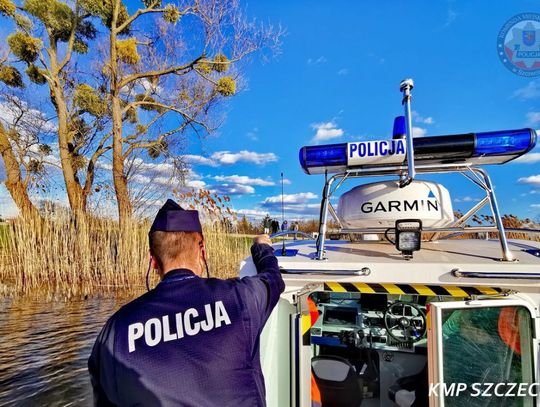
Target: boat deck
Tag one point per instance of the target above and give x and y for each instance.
(433, 264)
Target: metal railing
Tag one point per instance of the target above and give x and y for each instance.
(291, 232)
(477, 175)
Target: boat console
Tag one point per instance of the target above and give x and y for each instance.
(381, 336)
(369, 321)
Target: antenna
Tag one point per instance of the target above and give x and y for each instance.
(405, 87)
(283, 249)
(282, 207)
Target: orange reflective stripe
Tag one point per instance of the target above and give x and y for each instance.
(313, 311)
(315, 393)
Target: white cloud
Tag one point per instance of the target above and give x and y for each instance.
(140, 179)
(163, 174)
(343, 72)
(326, 131)
(317, 61)
(286, 181)
(294, 205)
(253, 134)
(421, 119)
(529, 158)
(231, 189)
(531, 192)
(309, 210)
(535, 205)
(530, 91)
(15, 111)
(451, 16)
(8, 209)
(531, 180)
(533, 118)
(467, 199)
(252, 213)
(164, 168)
(198, 160)
(291, 198)
(197, 184)
(142, 86)
(150, 87)
(244, 180)
(419, 131)
(226, 157)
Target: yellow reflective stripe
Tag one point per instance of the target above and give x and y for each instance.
(487, 290)
(306, 323)
(455, 291)
(364, 288)
(420, 289)
(336, 287)
(423, 290)
(392, 289)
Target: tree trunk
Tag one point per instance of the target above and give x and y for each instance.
(74, 191)
(119, 177)
(73, 188)
(14, 182)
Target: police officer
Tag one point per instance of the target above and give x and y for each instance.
(190, 341)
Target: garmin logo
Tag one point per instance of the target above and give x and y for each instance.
(400, 206)
(381, 148)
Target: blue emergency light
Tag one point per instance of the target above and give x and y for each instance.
(496, 147)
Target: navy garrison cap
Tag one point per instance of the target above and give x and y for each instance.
(173, 218)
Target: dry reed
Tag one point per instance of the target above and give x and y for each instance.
(70, 256)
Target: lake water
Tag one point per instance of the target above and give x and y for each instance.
(44, 348)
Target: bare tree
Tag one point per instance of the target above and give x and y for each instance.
(164, 70)
(46, 35)
(169, 65)
(25, 135)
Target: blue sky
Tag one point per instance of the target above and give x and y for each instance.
(338, 76)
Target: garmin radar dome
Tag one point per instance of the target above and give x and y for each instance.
(381, 204)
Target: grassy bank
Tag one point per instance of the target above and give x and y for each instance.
(4, 230)
(84, 256)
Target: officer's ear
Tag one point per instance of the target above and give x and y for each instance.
(153, 261)
(202, 246)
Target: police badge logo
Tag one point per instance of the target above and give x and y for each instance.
(529, 37)
(517, 46)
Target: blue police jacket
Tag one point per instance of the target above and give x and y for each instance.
(189, 342)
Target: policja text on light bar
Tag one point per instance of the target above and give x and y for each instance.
(476, 148)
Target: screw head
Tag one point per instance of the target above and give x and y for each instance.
(366, 271)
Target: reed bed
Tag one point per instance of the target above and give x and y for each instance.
(77, 256)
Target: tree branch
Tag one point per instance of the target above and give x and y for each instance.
(149, 9)
(71, 41)
(90, 169)
(148, 74)
(171, 109)
(137, 14)
(156, 141)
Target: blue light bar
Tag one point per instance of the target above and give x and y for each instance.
(326, 156)
(399, 127)
(495, 147)
(504, 142)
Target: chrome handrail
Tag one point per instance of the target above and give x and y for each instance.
(291, 232)
(420, 169)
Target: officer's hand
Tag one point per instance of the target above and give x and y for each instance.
(262, 239)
